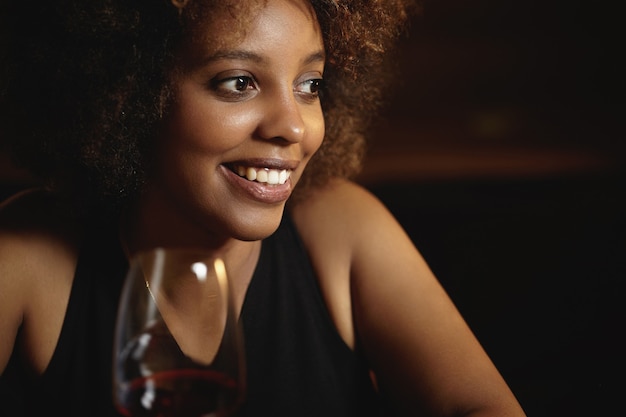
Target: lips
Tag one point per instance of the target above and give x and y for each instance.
(267, 182)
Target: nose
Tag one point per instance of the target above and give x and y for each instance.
(282, 118)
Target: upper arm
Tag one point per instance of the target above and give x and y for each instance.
(37, 262)
(13, 275)
(419, 345)
(11, 297)
(424, 355)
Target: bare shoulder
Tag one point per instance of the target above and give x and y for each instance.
(346, 219)
(38, 252)
(341, 206)
(35, 219)
(386, 301)
(342, 226)
(346, 227)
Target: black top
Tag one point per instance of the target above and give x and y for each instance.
(297, 364)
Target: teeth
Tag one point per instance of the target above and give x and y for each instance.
(263, 175)
(251, 174)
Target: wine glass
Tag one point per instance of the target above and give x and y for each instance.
(178, 349)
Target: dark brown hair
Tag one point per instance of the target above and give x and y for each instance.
(83, 84)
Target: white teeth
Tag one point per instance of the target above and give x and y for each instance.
(261, 176)
(264, 175)
(272, 177)
(251, 174)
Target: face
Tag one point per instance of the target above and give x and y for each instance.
(245, 120)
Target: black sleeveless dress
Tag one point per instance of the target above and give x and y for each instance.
(297, 364)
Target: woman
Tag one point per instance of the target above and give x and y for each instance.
(190, 124)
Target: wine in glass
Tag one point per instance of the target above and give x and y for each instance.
(178, 349)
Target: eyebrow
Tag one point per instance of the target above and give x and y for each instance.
(243, 55)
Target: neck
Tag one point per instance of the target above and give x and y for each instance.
(240, 257)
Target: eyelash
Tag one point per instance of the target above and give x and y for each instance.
(244, 83)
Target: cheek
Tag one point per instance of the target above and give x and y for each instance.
(201, 125)
(316, 131)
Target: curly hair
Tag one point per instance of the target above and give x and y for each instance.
(84, 84)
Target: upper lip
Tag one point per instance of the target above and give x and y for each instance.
(270, 163)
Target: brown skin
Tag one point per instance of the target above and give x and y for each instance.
(38, 252)
(384, 298)
(380, 293)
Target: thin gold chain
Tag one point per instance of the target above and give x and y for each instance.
(150, 291)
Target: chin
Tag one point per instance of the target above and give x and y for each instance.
(257, 227)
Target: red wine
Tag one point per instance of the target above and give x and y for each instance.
(180, 393)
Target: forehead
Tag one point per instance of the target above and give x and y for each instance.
(221, 24)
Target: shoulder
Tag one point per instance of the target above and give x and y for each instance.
(38, 253)
(36, 218)
(348, 233)
(37, 232)
(340, 206)
(385, 300)
(346, 218)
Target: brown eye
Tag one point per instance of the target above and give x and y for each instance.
(240, 83)
(235, 87)
(312, 86)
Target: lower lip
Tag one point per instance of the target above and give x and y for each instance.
(261, 192)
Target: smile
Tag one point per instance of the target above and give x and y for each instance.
(263, 175)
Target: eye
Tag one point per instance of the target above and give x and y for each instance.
(312, 87)
(234, 87)
(237, 83)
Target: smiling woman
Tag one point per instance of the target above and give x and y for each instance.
(231, 127)
(87, 82)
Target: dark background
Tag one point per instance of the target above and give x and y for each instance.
(501, 150)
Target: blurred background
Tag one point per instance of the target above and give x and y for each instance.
(501, 150)
(505, 88)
